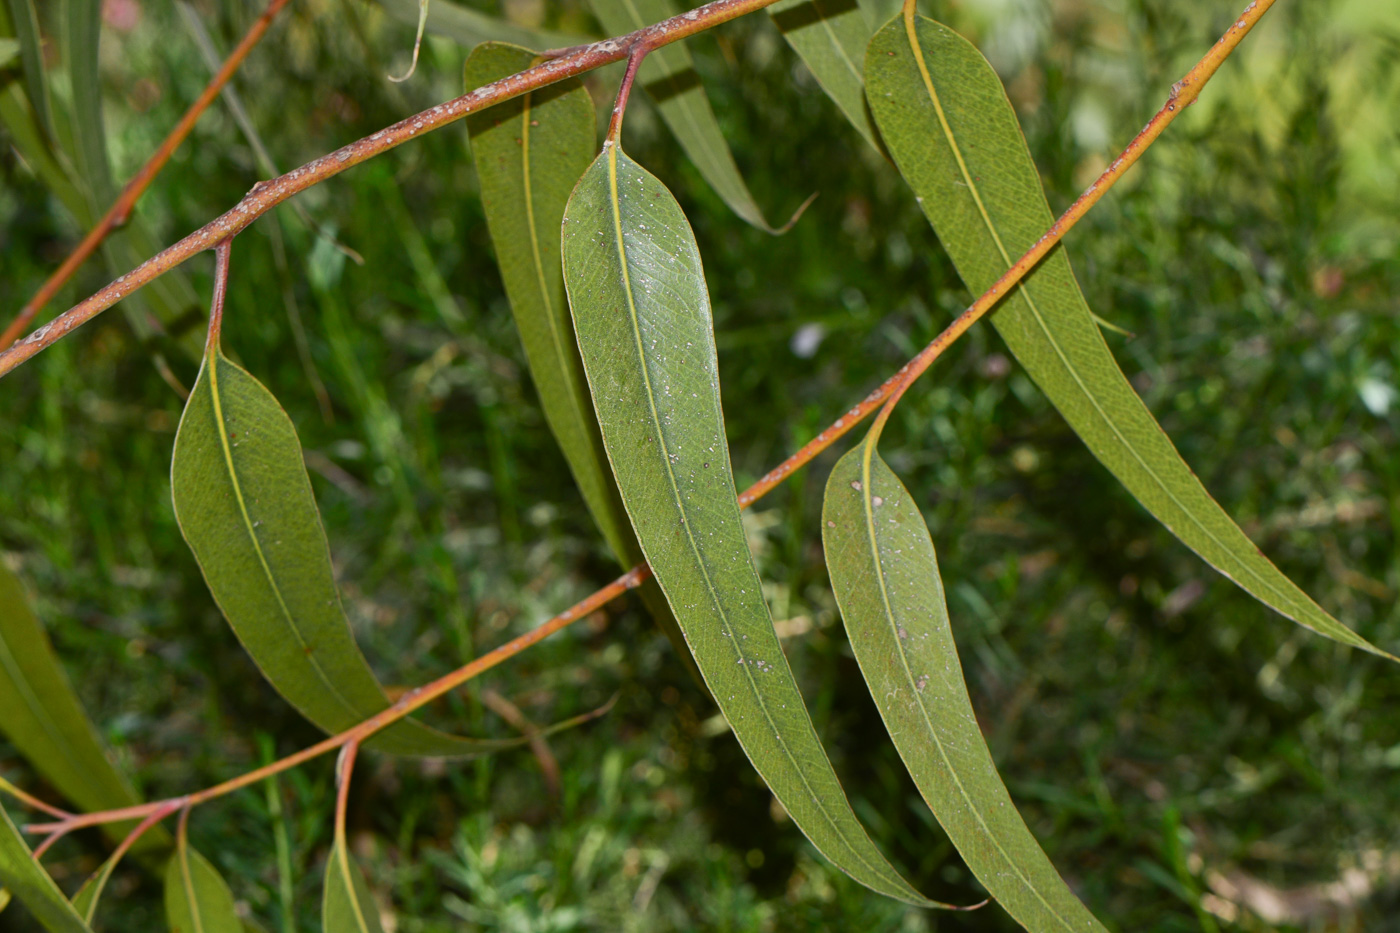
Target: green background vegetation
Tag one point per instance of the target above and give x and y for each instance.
(1160, 730)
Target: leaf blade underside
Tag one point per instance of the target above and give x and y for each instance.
(245, 506)
(641, 310)
(884, 572)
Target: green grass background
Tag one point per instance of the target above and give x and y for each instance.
(1165, 736)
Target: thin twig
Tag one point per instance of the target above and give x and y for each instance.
(121, 209)
(268, 194)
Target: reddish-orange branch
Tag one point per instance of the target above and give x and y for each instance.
(120, 210)
(1183, 94)
(268, 194)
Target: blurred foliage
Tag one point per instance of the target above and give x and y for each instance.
(1166, 737)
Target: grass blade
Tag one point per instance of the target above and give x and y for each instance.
(27, 881)
(885, 575)
(642, 313)
(830, 37)
(245, 506)
(346, 905)
(669, 77)
(197, 899)
(530, 152)
(952, 132)
(23, 24)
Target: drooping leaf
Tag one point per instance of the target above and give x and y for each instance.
(27, 881)
(42, 716)
(346, 904)
(471, 28)
(245, 506)
(885, 576)
(668, 75)
(952, 132)
(197, 900)
(642, 313)
(830, 37)
(530, 152)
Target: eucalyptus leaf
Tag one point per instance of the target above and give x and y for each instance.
(245, 506)
(884, 573)
(346, 905)
(952, 132)
(42, 716)
(830, 37)
(27, 881)
(668, 75)
(642, 314)
(90, 894)
(530, 152)
(197, 900)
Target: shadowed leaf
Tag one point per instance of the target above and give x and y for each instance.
(42, 716)
(669, 77)
(885, 576)
(197, 900)
(21, 21)
(830, 36)
(27, 881)
(346, 905)
(642, 313)
(952, 132)
(245, 506)
(529, 153)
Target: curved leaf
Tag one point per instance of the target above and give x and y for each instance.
(22, 22)
(90, 894)
(197, 900)
(642, 313)
(244, 504)
(885, 576)
(530, 152)
(31, 885)
(830, 37)
(346, 904)
(953, 134)
(43, 718)
(669, 77)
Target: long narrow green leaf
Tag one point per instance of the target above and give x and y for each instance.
(830, 37)
(197, 900)
(22, 23)
(245, 506)
(669, 77)
(169, 303)
(530, 152)
(470, 28)
(90, 894)
(31, 885)
(885, 575)
(346, 904)
(953, 134)
(642, 313)
(42, 716)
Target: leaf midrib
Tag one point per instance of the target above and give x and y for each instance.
(187, 879)
(866, 493)
(343, 864)
(633, 316)
(1280, 596)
